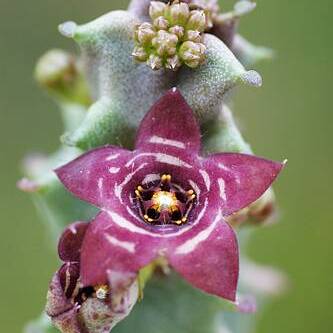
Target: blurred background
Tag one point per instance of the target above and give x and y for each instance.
(290, 117)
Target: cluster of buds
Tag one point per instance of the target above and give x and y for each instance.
(173, 38)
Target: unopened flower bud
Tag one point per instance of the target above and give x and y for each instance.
(197, 21)
(55, 69)
(155, 62)
(165, 43)
(173, 63)
(193, 36)
(156, 9)
(192, 53)
(161, 23)
(145, 33)
(140, 54)
(178, 13)
(178, 31)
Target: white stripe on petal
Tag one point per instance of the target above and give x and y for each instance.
(223, 167)
(128, 225)
(167, 142)
(163, 158)
(112, 157)
(100, 187)
(172, 160)
(206, 178)
(222, 189)
(191, 244)
(130, 247)
(114, 170)
(151, 178)
(119, 188)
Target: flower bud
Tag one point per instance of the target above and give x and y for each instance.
(165, 43)
(144, 33)
(156, 9)
(197, 21)
(74, 309)
(192, 53)
(178, 13)
(155, 62)
(140, 54)
(161, 23)
(55, 68)
(193, 36)
(173, 63)
(178, 31)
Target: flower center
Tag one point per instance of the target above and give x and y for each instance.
(164, 202)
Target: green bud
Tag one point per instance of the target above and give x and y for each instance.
(144, 33)
(178, 13)
(58, 71)
(197, 21)
(140, 54)
(55, 69)
(192, 53)
(161, 23)
(155, 62)
(156, 9)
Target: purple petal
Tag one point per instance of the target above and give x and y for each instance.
(70, 242)
(69, 275)
(92, 176)
(170, 124)
(209, 260)
(57, 302)
(240, 179)
(113, 243)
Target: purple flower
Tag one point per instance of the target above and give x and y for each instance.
(75, 308)
(165, 200)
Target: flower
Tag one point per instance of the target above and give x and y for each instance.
(165, 200)
(74, 308)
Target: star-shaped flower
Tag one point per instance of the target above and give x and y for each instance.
(165, 200)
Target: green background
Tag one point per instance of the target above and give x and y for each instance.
(290, 117)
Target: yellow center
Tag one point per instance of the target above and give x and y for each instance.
(163, 200)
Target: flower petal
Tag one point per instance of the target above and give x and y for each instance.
(169, 124)
(113, 243)
(57, 302)
(70, 242)
(240, 179)
(209, 260)
(92, 176)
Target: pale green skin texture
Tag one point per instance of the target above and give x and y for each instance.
(123, 91)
